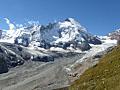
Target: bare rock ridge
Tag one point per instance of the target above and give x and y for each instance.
(15, 55)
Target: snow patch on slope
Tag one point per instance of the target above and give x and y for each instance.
(96, 49)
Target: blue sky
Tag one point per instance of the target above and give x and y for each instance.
(98, 16)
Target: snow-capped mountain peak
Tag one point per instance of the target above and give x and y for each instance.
(70, 22)
(73, 21)
(60, 34)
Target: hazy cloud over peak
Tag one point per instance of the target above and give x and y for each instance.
(11, 25)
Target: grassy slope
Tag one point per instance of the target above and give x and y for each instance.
(103, 76)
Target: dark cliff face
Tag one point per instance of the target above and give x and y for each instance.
(10, 56)
(3, 65)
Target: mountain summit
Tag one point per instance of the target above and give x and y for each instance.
(61, 34)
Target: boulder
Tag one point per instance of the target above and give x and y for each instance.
(26, 56)
(65, 45)
(84, 46)
(13, 60)
(43, 58)
(94, 40)
(44, 44)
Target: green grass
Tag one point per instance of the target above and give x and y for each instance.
(103, 76)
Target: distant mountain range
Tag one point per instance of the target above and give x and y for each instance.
(67, 33)
(115, 34)
(46, 57)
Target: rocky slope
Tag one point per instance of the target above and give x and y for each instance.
(41, 69)
(34, 69)
(13, 55)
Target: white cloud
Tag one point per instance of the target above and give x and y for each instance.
(19, 25)
(11, 26)
(33, 22)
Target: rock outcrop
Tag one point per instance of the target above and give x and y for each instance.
(3, 65)
(12, 55)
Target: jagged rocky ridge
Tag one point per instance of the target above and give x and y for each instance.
(67, 33)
